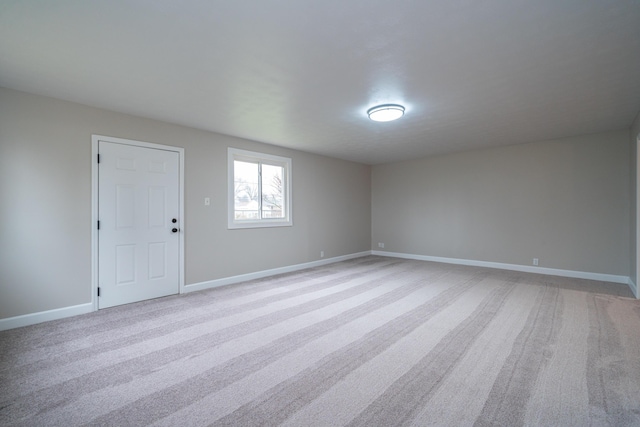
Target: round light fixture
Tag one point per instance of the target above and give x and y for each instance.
(386, 112)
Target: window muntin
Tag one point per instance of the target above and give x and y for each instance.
(259, 190)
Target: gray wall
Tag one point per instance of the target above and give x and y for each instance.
(565, 202)
(633, 140)
(45, 203)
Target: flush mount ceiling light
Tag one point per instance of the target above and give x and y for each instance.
(386, 112)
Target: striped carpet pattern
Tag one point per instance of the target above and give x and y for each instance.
(372, 341)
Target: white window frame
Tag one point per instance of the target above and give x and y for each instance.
(234, 154)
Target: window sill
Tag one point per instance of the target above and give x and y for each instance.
(258, 224)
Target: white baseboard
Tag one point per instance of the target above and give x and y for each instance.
(634, 288)
(266, 273)
(60, 313)
(515, 267)
(44, 316)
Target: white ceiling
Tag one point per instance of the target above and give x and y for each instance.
(302, 73)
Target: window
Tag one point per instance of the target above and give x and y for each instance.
(259, 190)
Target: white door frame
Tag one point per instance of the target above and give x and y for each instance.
(637, 219)
(94, 207)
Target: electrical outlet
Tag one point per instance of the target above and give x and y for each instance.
(321, 254)
(207, 201)
(535, 261)
(381, 245)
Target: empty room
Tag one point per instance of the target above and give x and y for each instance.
(339, 213)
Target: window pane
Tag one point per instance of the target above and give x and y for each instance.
(258, 190)
(272, 191)
(246, 197)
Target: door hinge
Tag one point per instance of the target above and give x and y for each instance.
(98, 290)
(98, 158)
(98, 225)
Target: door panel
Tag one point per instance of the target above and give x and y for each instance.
(138, 197)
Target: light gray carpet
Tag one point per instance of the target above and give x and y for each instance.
(368, 342)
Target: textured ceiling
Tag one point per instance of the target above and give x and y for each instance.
(302, 73)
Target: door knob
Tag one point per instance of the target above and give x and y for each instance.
(174, 230)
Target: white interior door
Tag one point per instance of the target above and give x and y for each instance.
(138, 237)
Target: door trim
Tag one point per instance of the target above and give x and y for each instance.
(94, 207)
(636, 285)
